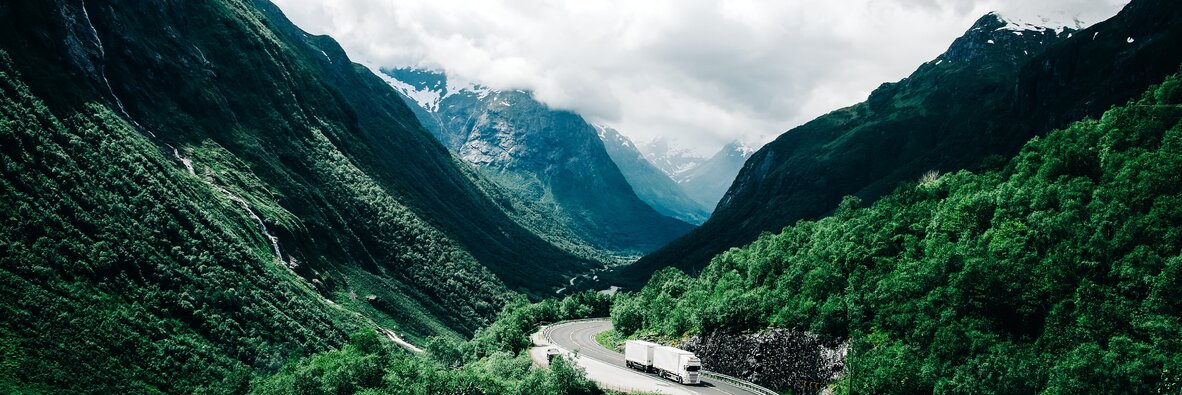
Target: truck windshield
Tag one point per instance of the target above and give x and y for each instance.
(693, 368)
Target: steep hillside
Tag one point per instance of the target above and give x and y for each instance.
(551, 157)
(194, 190)
(1060, 273)
(997, 86)
(651, 184)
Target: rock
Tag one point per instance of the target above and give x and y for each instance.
(779, 359)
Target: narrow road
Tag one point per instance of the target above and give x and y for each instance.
(601, 362)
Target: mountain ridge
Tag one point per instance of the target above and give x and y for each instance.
(924, 122)
(552, 158)
(651, 184)
(211, 191)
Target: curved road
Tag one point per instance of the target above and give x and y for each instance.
(580, 336)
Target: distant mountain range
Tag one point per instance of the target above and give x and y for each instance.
(554, 160)
(704, 179)
(996, 87)
(651, 184)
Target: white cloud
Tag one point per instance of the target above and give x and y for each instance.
(701, 73)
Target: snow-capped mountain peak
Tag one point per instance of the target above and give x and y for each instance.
(427, 87)
(1039, 24)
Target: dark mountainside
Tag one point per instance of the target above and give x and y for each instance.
(970, 108)
(300, 192)
(547, 156)
(651, 184)
(1058, 273)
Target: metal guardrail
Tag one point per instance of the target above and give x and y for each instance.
(744, 384)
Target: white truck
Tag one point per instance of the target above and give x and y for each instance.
(671, 363)
(638, 354)
(677, 365)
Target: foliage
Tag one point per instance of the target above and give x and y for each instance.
(986, 96)
(192, 191)
(1059, 273)
(494, 361)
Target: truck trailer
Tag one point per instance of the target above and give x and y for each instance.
(638, 354)
(677, 365)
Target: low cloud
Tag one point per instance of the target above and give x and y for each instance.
(699, 73)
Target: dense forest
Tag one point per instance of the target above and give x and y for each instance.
(193, 192)
(973, 107)
(1059, 273)
(494, 361)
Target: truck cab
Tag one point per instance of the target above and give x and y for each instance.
(692, 374)
(692, 371)
(677, 365)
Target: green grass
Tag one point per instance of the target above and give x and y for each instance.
(611, 340)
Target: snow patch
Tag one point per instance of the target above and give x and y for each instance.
(429, 98)
(1042, 24)
(1130, 40)
(990, 41)
(426, 98)
(326, 56)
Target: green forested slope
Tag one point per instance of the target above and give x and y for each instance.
(194, 191)
(1061, 273)
(121, 274)
(493, 362)
(970, 108)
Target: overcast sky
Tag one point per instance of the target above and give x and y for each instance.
(700, 73)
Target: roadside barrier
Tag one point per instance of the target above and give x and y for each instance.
(744, 384)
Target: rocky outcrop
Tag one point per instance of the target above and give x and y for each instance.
(779, 359)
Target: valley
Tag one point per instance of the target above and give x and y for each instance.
(206, 197)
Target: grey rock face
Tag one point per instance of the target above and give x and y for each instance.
(779, 359)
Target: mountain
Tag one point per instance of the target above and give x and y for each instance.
(705, 180)
(196, 190)
(996, 87)
(551, 157)
(651, 184)
(669, 159)
(1058, 273)
(708, 181)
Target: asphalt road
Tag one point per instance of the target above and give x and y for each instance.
(608, 365)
